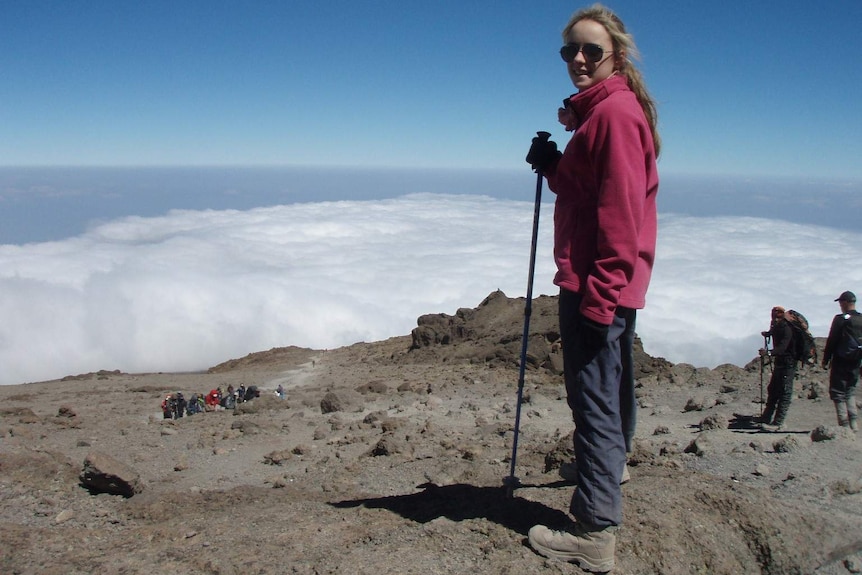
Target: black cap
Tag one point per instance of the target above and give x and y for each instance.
(847, 296)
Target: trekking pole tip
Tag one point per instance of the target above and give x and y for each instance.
(511, 483)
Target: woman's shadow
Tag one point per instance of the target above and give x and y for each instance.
(460, 501)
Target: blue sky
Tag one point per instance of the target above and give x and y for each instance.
(164, 269)
(763, 88)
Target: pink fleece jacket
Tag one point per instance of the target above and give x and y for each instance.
(605, 219)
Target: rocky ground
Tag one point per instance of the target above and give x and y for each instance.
(389, 458)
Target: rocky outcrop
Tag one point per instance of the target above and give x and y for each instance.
(492, 334)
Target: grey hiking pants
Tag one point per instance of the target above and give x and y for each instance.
(779, 393)
(594, 387)
(843, 378)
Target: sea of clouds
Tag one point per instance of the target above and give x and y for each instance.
(192, 288)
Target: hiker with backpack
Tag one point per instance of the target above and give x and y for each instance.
(844, 353)
(779, 393)
(168, 406)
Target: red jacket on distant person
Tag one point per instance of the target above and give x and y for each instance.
(213, 398)
(605, 229)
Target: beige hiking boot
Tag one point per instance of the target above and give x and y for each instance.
(569, 472)
(590, 550)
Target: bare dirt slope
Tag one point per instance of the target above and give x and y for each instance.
(389, 457)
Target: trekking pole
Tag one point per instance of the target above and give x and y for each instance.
(761, 387)
(511, 482)
(762, 365)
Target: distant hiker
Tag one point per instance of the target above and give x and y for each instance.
(280, 391)
(168, 407)
(228, 400)
(213, 399)
(180, 406)
(779, 393)
(240, 393)
(605, 225)
(194, 406)
(843, 353)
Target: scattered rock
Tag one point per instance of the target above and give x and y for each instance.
(389, 445)
(64, 516)
(786, 444)
(66, 411)
(713, 422)
(816, 390)
(246, 427)
(562, 452)
(104, 474)
(846, 487)
(331, 403)
(700, 445)
(373, 387)
(277, 457)
(823, 433)
(375, 417)
(698, 404)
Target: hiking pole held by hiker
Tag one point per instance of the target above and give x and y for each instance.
(541, 139)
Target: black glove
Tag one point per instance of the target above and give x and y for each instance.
(594, 335)
(543, 154)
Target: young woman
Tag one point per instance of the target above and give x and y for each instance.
(604, 244)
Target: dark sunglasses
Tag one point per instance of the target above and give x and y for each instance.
(592, 52)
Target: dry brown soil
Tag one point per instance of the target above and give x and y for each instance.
(406, 475)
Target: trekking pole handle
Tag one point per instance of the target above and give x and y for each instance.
(543, 137)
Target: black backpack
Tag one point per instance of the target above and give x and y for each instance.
(802, 346)
(849, 346)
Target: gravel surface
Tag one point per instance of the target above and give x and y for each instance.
(390, 460)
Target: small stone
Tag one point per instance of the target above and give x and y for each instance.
(64, 516)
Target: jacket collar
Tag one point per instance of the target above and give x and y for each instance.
(583, 102)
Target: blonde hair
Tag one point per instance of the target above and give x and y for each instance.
(625, 52)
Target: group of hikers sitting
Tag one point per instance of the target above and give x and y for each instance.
(175, 405)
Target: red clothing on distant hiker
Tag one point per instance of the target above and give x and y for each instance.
(605, 220)
(213, 398)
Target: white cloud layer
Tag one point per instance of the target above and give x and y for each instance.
(191, 289)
